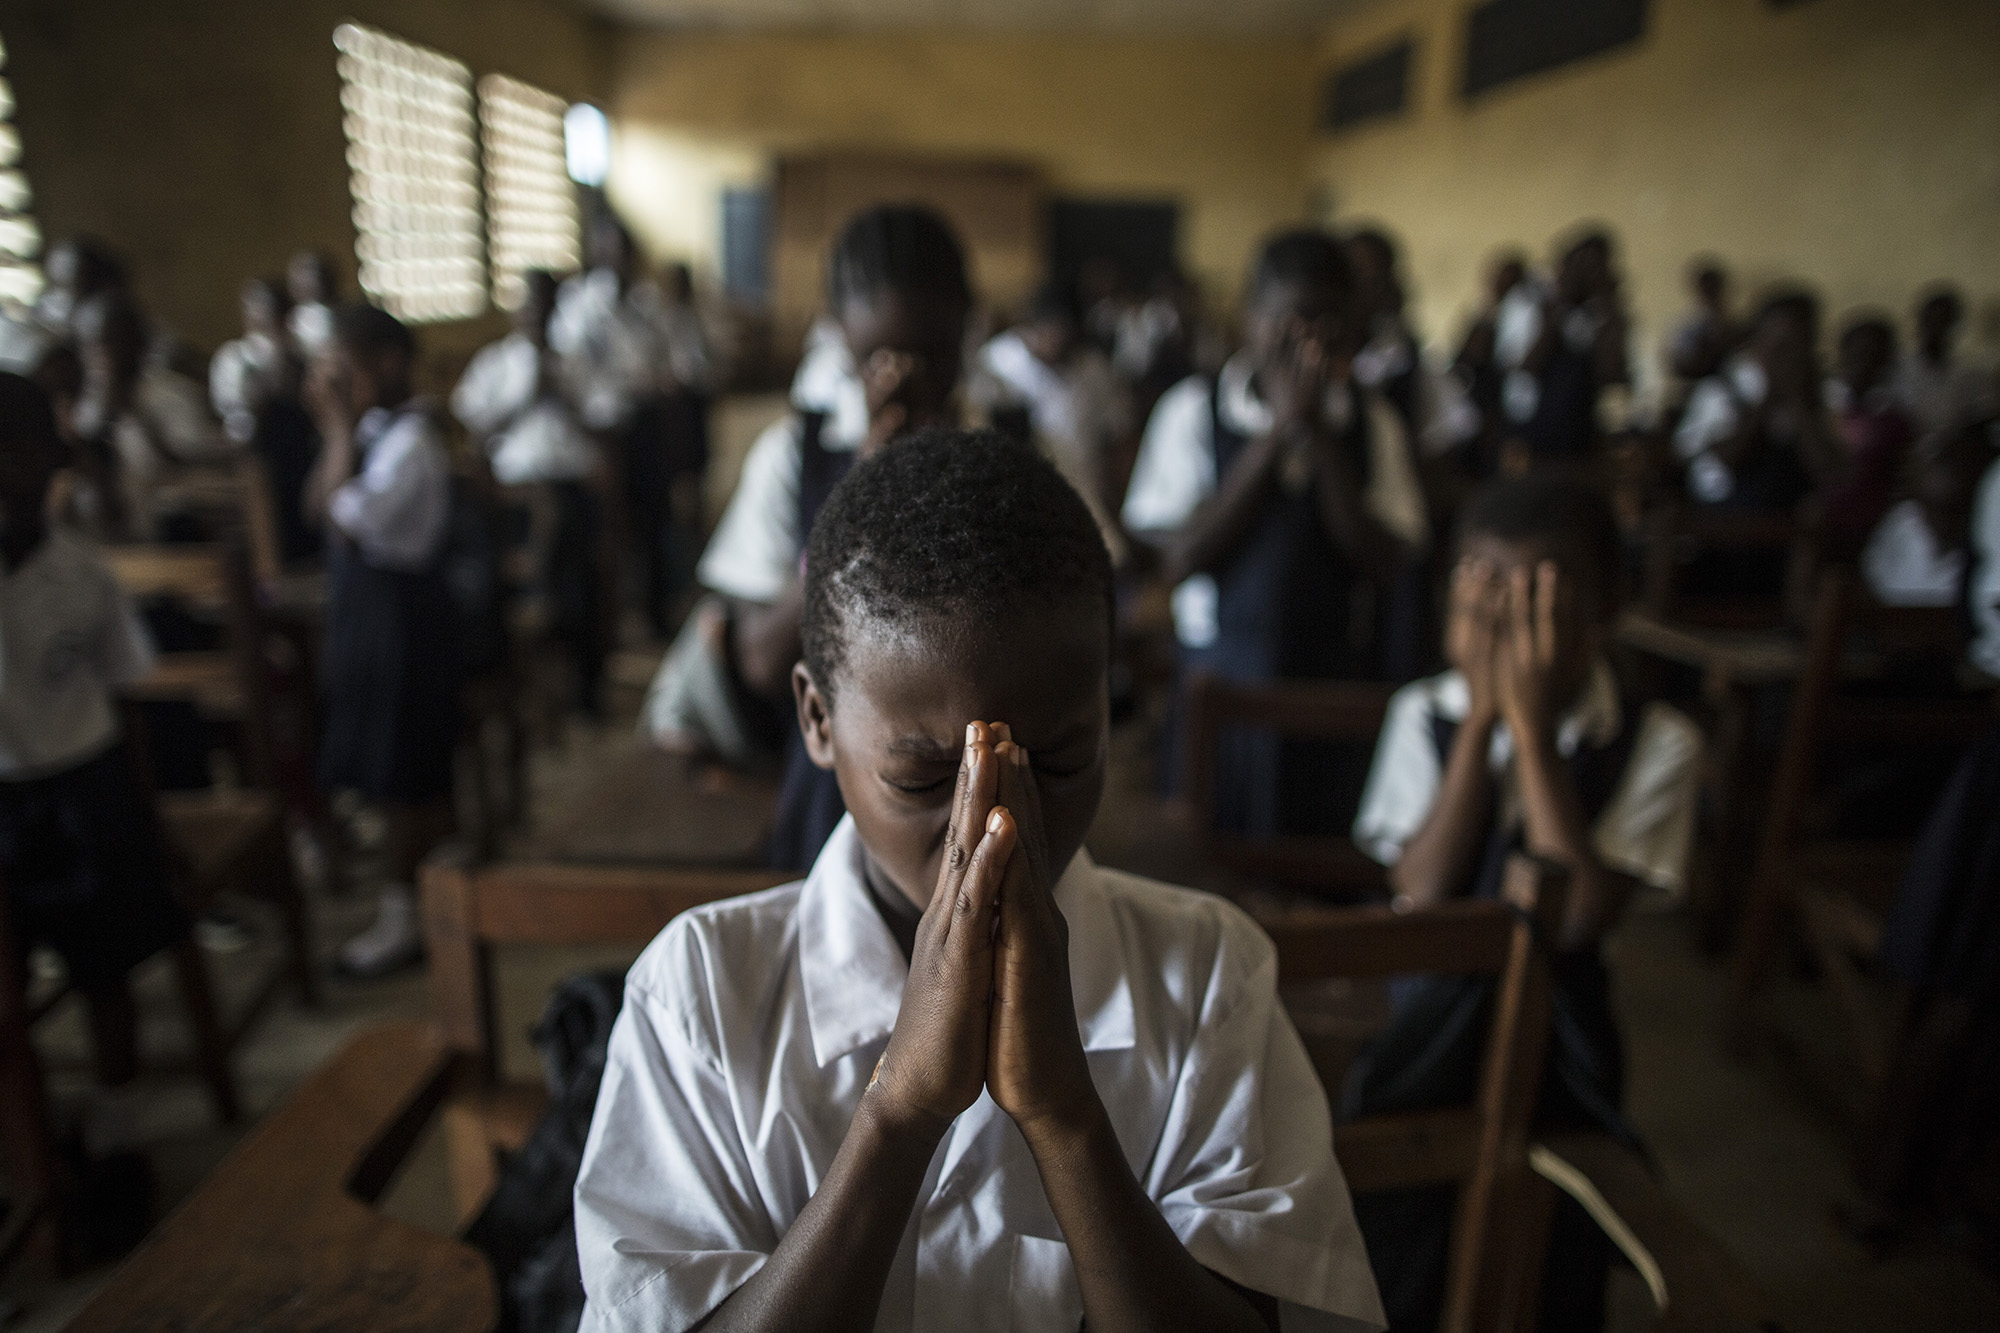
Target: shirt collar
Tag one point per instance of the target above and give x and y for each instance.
(1596, 716)
(852, 974)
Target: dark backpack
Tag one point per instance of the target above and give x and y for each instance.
(527, 1229)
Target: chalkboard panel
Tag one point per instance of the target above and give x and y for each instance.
(1508, 39)
(1367, 89)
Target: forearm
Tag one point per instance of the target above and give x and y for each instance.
(1214, 529)
(1556, 828)
(828, 1271)
(1437, 858)
(1356, 530)
(1132, 1269)
(765, 639)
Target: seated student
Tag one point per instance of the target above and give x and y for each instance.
(1526, 743)
(1075, 407)
(1279, 495)
(391, 670)
(1873, 431)
(80, 854)
(313, 284)
(512, 399)
(150, 424)
(254, 385)
(1579, 351)
(960, 1077)
(1940, 392)
(896, 285)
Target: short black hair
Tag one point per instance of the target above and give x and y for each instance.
(1792, 302)
(28, 421)
(951, 523)
(1870, 324)
(1304, 257)
(896, 248)
(1564, 513)
(371, 330)
(272, 290)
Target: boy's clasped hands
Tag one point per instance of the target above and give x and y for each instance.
(988, 1000)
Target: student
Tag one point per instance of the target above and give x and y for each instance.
(1436, 413)
(80, 854)
(313, 284)
(254, 385)
(960, 1077)
(1918, 554)
(382, 490)
(896, 285)
(512, 399)
(1495, 344)
(1579, 351)
(671, 459)
(1526, 743)
(1278, 496)
(1075, 407)
(1873, 431)
(149, 423)
(1939, 392)
(1757, 437)
(1707, 334)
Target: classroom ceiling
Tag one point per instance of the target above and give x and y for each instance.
(1138, 16)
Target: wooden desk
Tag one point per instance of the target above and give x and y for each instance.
(282, 1235)
(649, 807)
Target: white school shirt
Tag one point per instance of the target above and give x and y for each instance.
(756, 547)
(530, 436)
(244, 374)
(311, 327)
(394, 509)
(1647, 828)
(1075, 410)
(827, 383)
(1985, 651)
(750, 1030)
(1175, 472)
(68, 640)
(612, 344)
(1905, 565)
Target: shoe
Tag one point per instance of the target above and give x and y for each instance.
(394, 942)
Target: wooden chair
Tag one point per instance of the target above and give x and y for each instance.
(1837, 889)
(1348, 712)
(469, 913)
(224, 838)
(1507, 1178)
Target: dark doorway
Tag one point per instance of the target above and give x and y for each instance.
(1141, 237)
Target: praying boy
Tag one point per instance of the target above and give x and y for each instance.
(960, 1077)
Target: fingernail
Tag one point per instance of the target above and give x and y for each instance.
(994, 821)
(971, 734)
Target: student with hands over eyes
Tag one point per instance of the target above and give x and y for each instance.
(1526, 744)
(960, 1077)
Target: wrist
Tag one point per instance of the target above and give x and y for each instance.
(887, 1126)
(1061, 1139)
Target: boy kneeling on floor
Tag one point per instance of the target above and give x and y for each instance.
(961, 1077)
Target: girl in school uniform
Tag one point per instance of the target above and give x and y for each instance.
(80, 853)
(1281, 498)
(382, 490)
(898, 291)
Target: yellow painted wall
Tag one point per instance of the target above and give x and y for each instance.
(1221, 125)
(1852, 142)
(203, 138)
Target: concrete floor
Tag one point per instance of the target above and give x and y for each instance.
(1753, 1149)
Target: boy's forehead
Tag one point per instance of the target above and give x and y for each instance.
(923, 681)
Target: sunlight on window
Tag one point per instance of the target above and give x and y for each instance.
(531, 212)
(20, 238)
(413, 174)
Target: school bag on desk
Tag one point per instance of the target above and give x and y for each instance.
(527, 1229)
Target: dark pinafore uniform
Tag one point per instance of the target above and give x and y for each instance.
(393, 673)
(1430, 1054)
(809, 803)
(1286, 609)
(1564, 425)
